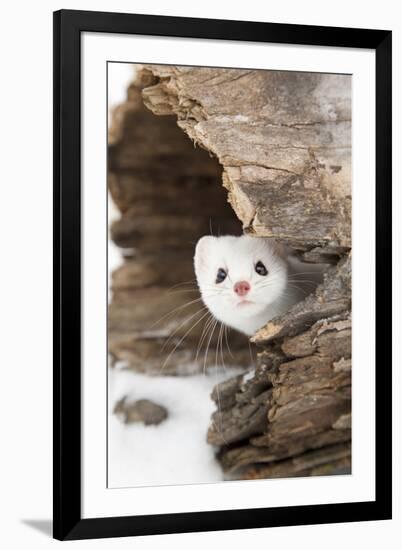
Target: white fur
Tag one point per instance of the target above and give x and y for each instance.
(269, 295)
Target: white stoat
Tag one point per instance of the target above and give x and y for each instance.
(246, 281)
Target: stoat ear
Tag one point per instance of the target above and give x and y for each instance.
(202, 252)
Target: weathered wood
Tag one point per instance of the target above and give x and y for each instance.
(144, 194)
(151, 355)
(156, 330)
(331, 298)
(282, 144)
(303, 392)
(154, 232)
(144, 271)
(330, 460)
(283, 139)
(156, 176)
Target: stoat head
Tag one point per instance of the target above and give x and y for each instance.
(242, 275)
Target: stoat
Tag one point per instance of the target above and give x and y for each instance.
(246, 281)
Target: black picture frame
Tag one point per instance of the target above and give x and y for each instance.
(68, 26)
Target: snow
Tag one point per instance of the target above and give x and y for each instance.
(174, 452)
(248, 376)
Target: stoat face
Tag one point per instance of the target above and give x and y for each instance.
(239, 277)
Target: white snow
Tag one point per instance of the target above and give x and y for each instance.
(248, 375)
(176, 451)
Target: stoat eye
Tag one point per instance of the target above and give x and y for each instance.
(261, 269)
(221, 275)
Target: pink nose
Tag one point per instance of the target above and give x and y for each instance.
(241, 288)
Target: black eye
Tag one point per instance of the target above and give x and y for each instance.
(221, 275)
(261, 269)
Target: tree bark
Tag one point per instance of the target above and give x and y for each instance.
(283, 145)
(168, 193)
(283, 140)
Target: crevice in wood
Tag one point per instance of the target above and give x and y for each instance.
(280, 143)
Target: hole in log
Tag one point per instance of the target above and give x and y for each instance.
(169, 194)
(289, 416)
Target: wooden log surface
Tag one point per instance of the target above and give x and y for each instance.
(283, 140)
(279, 143)
(168, 193)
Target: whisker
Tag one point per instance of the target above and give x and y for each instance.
(182, 291)
(207, 325)
(181, 339)
(219, 429)
(195, 289)
(303, 280)
(302, 289)
(213, 288)
(174, 310)
(288, 293)
(318, 272)
(209, 343)
(217, 346)
(221, 341)
(227, 343)
(190, 281)
(187, 320)
(291, 283)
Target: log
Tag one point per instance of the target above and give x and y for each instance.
(155, 232)
(283, 140)
(299, 399)
(277, 146)
(155, 177)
